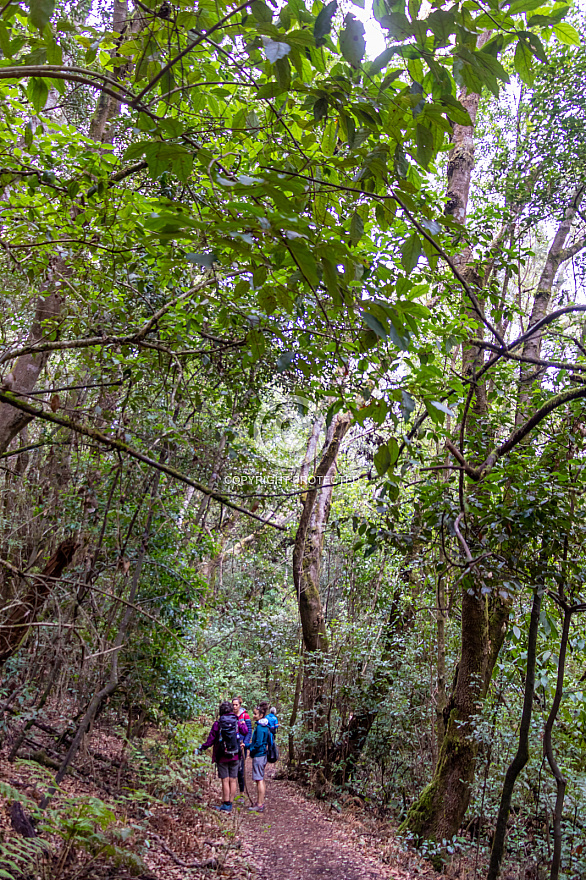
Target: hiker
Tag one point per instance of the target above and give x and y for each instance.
(242, 715)
(273, 721)
(258, 753)
(227, 737)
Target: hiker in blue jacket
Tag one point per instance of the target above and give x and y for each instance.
(273, 721)
(227, 737)
(258, 753)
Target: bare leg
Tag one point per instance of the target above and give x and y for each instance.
(233, 785)
(226, 791)
(260, 790)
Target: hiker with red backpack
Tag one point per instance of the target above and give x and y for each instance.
(227, 738)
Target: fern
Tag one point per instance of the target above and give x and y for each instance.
(85, 825)
(19, 855)
(12, 794)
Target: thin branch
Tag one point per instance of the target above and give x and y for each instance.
(188, 49)
(461, 538)
(88, 342)
(121, 446)
(541, 362)
(476, 473)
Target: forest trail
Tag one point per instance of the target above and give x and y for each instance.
(294, 839)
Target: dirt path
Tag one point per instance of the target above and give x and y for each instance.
(295, 840)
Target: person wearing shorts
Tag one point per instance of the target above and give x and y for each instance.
(258, 753)
(227, 764)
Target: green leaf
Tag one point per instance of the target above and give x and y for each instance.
(256, 340)
(381, 61)
(393, 450)
(386, 456)
(352, 42)
(553, 17)
(407, 405)
(356, 228)
(40, 12)
(4, 41)
(492, 65)
(283, 73)
(320, 109)
(305, 260)
(410, 253)
(425, 148)
(524, 63)
(442, 407)
(330, 277)
(524, 5)
(37, 92)
(162, 156)
(261, 11)
(28, 134)
(534, 43)
(374, 324)
(441, 23)
(382, 460)
(567, 33)
(323, 23)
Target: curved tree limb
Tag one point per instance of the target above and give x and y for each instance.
(121, 446)
(517, 436)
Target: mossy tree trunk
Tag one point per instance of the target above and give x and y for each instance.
(307, 556)
(439, 811)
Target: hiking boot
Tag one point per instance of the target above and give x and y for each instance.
(224, 808)
(257, 808)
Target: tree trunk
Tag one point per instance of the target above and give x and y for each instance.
(548, 749)
(307, 554)
(459, 174)
(441, 700)
(522, 754)
(25, 372)
(556, 255)
(26, 608)
(309, 540)
(440, 809)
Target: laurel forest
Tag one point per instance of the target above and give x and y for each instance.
(293, 370)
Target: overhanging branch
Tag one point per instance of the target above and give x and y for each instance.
(476, 473)
(126, 449)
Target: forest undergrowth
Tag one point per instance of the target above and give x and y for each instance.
(145, 808)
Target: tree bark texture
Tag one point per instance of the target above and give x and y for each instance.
(556, 255)
(26, 608)
(560, 781)
(459, 176)
(309, 540)
(307, 556)
(25, 372)
(440, 809)
(441, 699)
(522, 754)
